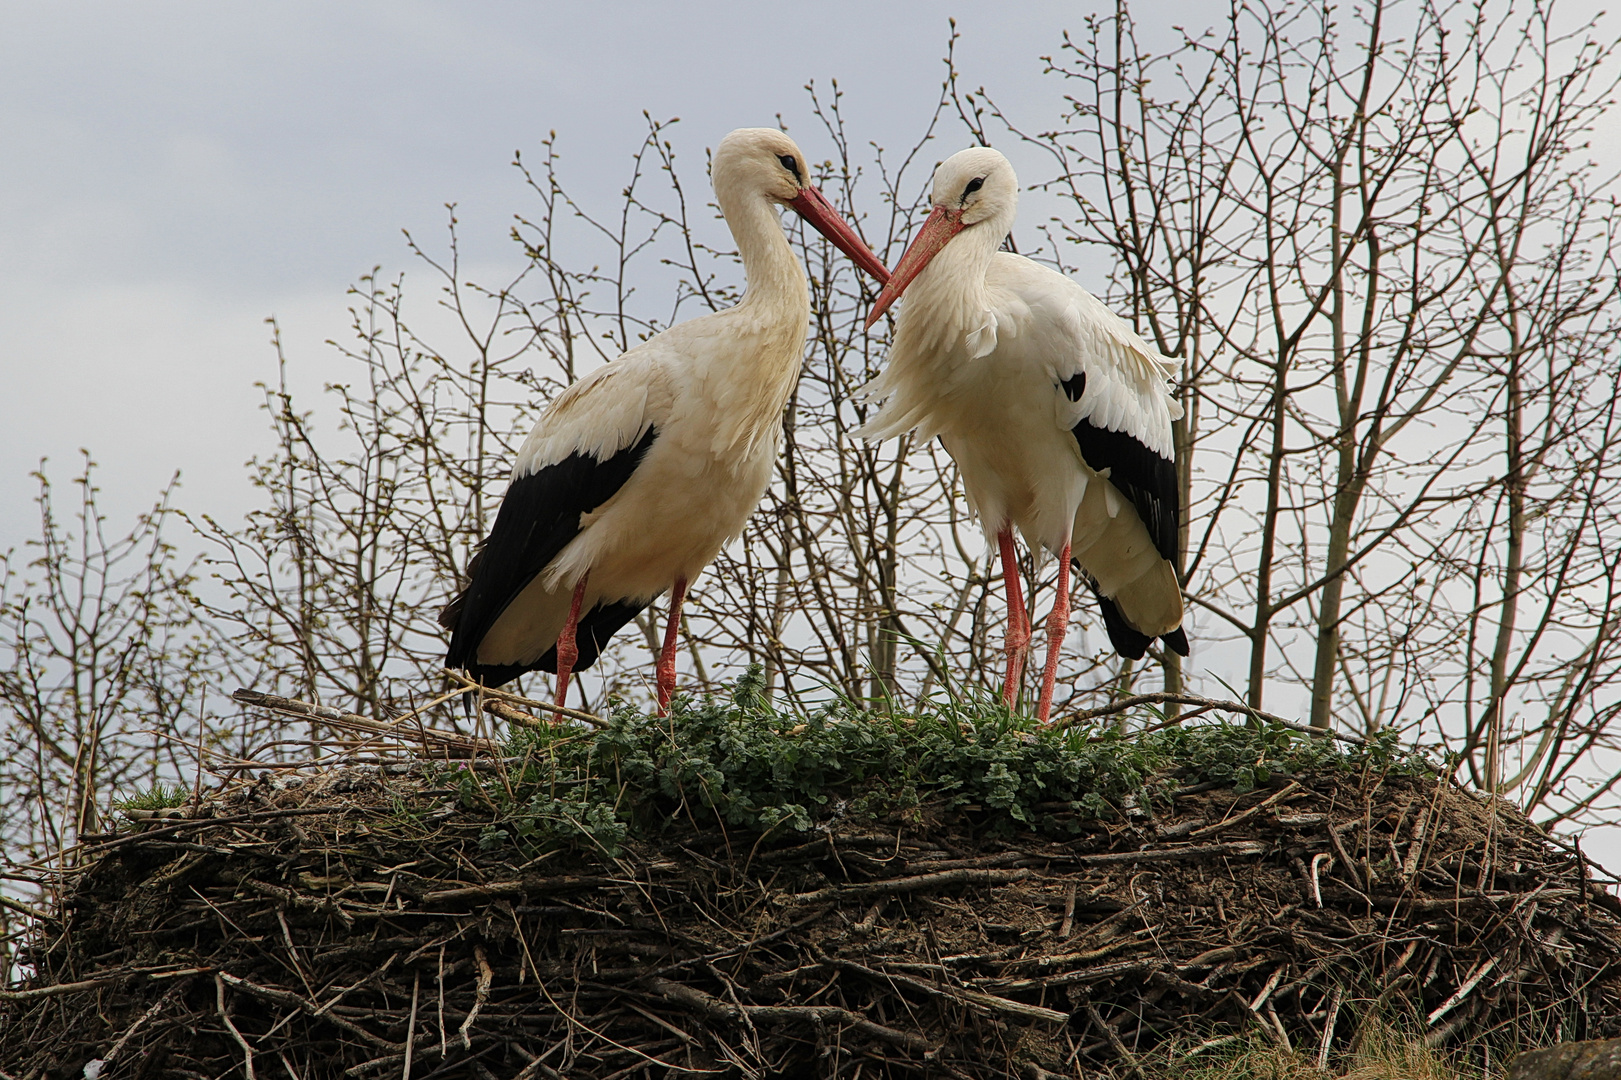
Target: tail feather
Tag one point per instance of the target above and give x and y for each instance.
(450, 616)
(1126, 639)
(591, 636)
(1127, 642)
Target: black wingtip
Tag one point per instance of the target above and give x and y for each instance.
(1130, 643)
(1127, 642)
(595, 629)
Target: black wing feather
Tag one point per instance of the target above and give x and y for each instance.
(539, 516)
(591, 636)
(1149, 482)
(1132, 643)
(1142, 476)
(1127, 642)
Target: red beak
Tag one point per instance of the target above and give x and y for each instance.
(942, 225)
(813, 206)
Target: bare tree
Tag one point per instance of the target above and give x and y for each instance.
(105, 669)
(1372, 235)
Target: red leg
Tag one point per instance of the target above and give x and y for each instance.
(1057, 624)
(567, 651)
(1018, 619)
(666, 668)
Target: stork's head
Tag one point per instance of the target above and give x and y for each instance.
(976, 194)
(765, 161)
(977, 186)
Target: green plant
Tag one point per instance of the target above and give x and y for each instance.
(739, 762)
(159, 796)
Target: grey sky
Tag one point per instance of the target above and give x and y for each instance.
(173, 173)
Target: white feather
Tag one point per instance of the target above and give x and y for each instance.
(983, 343)
(981, 340)
(600, 415)
(713, 388)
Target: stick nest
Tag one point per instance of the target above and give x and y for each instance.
(377, 921)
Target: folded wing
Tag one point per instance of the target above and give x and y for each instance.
(581, 453)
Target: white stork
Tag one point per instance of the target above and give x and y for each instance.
(636, 475)
(1057, 413)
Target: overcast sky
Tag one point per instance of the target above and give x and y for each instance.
(173, 173)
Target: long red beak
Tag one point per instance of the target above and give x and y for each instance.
(942, 225)
(813, 206)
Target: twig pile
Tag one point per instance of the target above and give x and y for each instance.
(363, 924)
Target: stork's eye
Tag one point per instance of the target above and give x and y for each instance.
(790, 164)
(973, 185)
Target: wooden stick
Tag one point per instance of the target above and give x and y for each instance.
(53, 991)
(502, 695)
(911, 884)
(1328, 1028)
(1317, 861)
(1266, 991)
(1215, 704)
(298, 1001)
(411, 1026)
(247, 1051)
(1282, 793)
(1114, 1040)
(1462, 992)
(1069, 914)
(1415, 846)
(1230, 847)
(959, 994)
(520, 888)
(310, 710)
(481, 994)
(716, 1009)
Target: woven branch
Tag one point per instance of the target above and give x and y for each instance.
(346, 925)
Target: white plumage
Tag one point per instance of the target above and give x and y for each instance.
(1057, 413)
(639, 473)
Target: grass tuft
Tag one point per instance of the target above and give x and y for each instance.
(159, 796)
(1385, 1053)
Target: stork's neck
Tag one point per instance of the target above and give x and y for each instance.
(776, 286)
(766, 330)
(953, 285)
